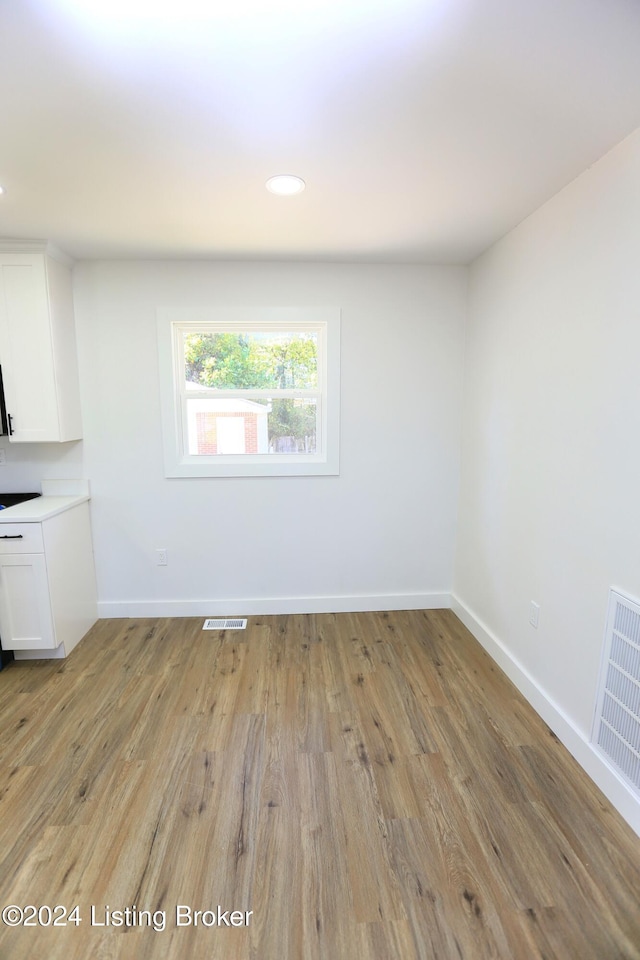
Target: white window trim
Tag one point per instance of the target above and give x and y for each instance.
(324, 320)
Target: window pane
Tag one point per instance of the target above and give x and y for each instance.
(232, 427)
(292, 426)
(252, 360)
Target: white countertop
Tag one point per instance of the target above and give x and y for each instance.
(35, 511)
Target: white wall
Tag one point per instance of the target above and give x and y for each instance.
(550, 490)
(379, 535)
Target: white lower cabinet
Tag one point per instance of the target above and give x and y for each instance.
(47, 583)
(26, 622)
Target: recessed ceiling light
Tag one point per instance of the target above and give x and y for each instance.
(285, 185)
(1, 189)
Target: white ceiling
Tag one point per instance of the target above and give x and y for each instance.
(425, 129)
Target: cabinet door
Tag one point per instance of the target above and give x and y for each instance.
(25, 610)
(26, 350)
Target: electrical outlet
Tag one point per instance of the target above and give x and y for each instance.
(161, 557)
(534, 614)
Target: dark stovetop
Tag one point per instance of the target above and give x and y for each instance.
(10, 499)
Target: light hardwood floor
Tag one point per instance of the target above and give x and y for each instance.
(371, 786)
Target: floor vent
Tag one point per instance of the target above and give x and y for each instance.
(616, 729)
(229, 624)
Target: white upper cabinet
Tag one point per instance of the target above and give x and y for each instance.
(38, 345)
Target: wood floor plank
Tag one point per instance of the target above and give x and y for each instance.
(328, 920)
(375, 892)
(277, 891)
(395, 723)
(364, 786)
(441, 922)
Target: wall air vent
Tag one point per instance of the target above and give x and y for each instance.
(616, 728)
(222, 624)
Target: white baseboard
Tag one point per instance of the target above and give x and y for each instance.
(273, 605)
(605, 777)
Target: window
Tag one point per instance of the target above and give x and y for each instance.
(250, 392)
